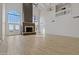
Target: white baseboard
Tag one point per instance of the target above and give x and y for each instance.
(64, 35)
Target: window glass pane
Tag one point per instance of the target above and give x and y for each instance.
(13, 17)
(11, 27)
(17, 27)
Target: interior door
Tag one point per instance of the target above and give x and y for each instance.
(13, 22)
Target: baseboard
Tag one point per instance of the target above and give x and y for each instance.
(63, 35)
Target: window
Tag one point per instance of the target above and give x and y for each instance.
(11, 27)
(13, 20)
(13, 17)
(17, 27)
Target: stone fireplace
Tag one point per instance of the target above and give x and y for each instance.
(28, 28)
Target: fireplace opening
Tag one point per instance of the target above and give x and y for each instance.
(28, 29)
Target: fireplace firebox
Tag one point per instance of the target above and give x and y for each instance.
(29, 29)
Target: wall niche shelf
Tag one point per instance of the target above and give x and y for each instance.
(62, 9)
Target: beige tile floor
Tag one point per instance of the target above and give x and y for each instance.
(39, 45)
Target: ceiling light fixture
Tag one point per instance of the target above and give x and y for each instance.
(35, 4)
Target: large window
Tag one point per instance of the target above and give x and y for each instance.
(13, 20)
(13, 17)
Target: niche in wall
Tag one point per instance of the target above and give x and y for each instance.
(62, 9)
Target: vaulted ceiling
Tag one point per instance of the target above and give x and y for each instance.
(44, 6)
(38, 7)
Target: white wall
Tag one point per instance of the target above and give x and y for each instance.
(42, 22)
(65, 25)
(37, 11)
(0, 21)
(11, 6)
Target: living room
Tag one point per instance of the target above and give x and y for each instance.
(39, 28)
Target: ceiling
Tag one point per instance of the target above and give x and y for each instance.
(41, 7)
(44, 6)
